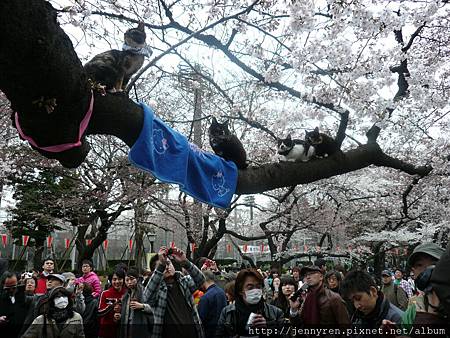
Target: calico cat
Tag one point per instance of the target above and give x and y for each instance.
(325, 145)
(114, 68)
(295, 150)
(226, 145)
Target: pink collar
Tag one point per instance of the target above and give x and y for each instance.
(60, 147)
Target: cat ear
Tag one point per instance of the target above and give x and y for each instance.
(214, 120)
(289, 136)
(141, 26)
(316, 130)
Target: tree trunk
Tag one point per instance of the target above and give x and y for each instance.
(38, 251)
(139, 217)
(378, 259)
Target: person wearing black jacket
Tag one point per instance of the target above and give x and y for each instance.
(373, 310)
(89, 315)
(235, 318)
(13, 305)
(288, 286)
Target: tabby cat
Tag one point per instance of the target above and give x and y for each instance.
(114, 68)
(324, 144)
(226, 145)
(295, 150)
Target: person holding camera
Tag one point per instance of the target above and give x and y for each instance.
(169, 293)
(287, 286)
(318, 305)
(13, 305)
(110, 306)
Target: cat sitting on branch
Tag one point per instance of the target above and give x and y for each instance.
(315, 145)
(111, 70)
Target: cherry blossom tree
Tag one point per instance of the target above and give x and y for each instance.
(374, 77)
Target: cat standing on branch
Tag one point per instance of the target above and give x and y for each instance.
(114, 68)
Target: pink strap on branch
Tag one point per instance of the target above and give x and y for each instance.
(60, 147)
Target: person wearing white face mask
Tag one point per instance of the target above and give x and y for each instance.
(58, 319)
(249, 314)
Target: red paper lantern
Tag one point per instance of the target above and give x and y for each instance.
(245, 247)
(130, 245)
(228, 248)
(67, 243)
(105, 244)
(4, 240)
(25, 239)
(88, 242)
(49, 241)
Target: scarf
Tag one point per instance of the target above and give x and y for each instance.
(243, 312)
(60, 316)
(310, 311)
(146, 50)
(377, 311)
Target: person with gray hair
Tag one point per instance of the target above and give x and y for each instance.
(211, 303)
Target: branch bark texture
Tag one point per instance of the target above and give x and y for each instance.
(37, 60)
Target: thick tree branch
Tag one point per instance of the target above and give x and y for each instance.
(34, 47)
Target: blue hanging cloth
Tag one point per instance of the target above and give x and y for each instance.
(171, 158)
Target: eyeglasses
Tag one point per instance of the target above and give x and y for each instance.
(9, 287)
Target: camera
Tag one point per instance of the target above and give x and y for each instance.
(302, 290)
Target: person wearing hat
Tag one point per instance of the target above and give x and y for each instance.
(425, 309)
(423, 256)
(321, 306)
(58, 320)
(395, 294)
(53, 280)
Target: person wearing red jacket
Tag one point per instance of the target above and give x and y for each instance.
(48, 267)
(110, 306)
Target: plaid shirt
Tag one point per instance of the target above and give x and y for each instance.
(407, 287)
(155, 294)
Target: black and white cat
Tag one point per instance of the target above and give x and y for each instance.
(227, 145)
(114, 68)
(324, 144)
(295, 150)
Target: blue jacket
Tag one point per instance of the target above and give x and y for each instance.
(210, 307)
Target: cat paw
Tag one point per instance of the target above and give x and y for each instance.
(98, 87)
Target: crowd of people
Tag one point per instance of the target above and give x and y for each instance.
(178, 298)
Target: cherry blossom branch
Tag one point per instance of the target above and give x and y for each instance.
(192, 34)
(405, 194)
